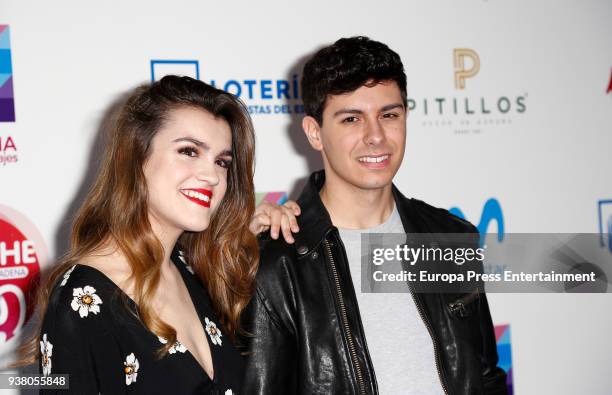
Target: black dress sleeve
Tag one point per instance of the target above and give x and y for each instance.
(76, 339)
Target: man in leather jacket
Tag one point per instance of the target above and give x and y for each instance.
(308, 321)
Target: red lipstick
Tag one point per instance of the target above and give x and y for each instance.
(199, 196)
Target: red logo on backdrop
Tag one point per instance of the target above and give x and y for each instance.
(21, 253)
(8, 150)
(610, 84)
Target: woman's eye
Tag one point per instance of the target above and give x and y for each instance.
(189, 151)
(224, 163)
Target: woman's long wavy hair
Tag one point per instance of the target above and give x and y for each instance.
(115, 211)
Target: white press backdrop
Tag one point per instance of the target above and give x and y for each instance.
(530, 130)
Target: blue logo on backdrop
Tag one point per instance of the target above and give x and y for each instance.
(261, 96)
(159, 68)
(491, 211)
(604, 214)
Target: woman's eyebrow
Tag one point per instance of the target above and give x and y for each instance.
(192, 140)
(203, 145)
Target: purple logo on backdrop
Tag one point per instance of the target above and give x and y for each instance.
(604, 214)
(7, 101)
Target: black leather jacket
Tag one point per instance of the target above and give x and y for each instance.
(306, 331)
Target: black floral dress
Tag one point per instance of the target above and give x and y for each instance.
(89, 333)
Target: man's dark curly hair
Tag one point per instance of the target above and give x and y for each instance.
(345, 66)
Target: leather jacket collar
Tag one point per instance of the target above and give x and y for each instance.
(316, 219)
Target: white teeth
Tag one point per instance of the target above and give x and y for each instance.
(373, 159)
(197, 195)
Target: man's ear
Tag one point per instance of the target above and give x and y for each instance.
(312, 130)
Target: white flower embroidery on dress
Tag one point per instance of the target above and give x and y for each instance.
(182, 258)
(67, 275)
(178, 346)
(131, 366)
(85, 301)
(46, 350)
(229, 392)
(213, 331)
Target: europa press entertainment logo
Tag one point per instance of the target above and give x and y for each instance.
(467, 110)
(22, 251)
(262, 96)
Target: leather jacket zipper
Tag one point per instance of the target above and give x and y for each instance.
(431, 334)
(344, 317)
(458, 306)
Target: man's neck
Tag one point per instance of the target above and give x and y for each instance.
(351, 207)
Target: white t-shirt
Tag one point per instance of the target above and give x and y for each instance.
(400, 346)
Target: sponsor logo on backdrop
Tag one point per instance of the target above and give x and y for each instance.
(468, 110)
(604, 214)
(272, 197)
(22, 251)
(609, 90)
(461, 71)
(504, 351)
(8, 150)
(262, 96)
(160, 68)
(7, 100)
(491, 211)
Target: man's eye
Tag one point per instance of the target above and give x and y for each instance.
(390, 115)
(224, 163)
(189, 151)
(349, 120)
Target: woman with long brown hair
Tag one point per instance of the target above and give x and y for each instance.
(162, 261)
